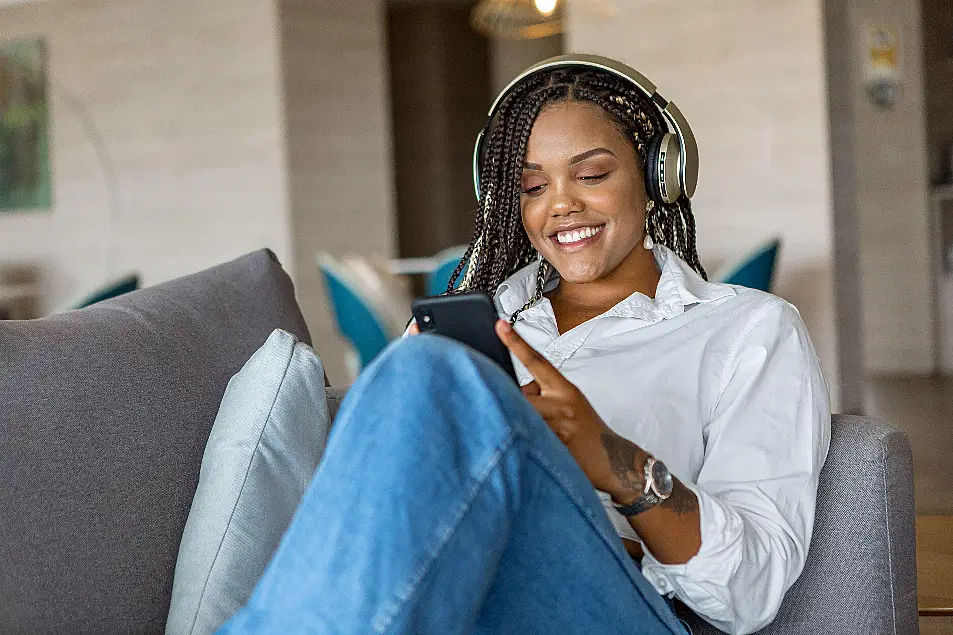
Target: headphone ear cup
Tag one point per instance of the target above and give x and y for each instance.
(662, 177)
(652, 185)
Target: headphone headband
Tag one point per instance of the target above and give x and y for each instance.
(687, 167)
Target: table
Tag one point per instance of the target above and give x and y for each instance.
(411, 266)
(935, 566)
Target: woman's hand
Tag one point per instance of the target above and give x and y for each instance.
(672, 530)
(610, 462)
(414, 329)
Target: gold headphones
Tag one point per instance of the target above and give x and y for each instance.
(671, 166)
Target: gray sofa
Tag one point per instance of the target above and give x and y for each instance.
(104, 413)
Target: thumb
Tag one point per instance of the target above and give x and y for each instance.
(531, 389)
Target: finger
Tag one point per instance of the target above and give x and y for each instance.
(545, 373)
(414, 329)
(553, 412)
(551, 408)
(531, 389)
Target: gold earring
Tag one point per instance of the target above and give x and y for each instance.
(648, 243)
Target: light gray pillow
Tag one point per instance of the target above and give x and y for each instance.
(264, 447)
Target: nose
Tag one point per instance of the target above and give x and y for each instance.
(565, 201)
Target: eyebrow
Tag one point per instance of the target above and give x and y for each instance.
(576, 159)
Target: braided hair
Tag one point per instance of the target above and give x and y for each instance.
(500, 246)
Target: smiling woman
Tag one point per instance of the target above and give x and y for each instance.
(625, 154)
(666, 440)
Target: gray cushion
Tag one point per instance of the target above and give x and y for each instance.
(860, 575)
(104, 414)
(264, 447)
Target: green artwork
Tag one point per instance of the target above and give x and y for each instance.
(24, 127)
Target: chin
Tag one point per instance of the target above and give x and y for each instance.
(576, 274)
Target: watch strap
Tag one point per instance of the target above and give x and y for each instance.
(644, 502)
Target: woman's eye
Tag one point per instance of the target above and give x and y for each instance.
(535, 189)
(595, 177)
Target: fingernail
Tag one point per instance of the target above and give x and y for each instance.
(504, 326)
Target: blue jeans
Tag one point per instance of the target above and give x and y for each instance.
(444, 504)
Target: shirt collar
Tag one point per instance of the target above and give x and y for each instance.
(679, 288)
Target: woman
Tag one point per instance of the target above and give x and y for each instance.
(445, 503)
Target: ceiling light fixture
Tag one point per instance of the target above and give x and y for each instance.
(546, 7)
(518, 19)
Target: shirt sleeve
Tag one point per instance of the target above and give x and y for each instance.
(765, 443)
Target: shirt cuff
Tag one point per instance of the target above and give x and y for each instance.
(702, 582)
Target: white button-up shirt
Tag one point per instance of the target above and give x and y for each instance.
(722, 384)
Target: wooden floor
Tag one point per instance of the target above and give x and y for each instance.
(936, 626)
(923, 408)
(935, 564)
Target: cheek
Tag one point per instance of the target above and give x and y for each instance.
(624, 205)
(534, 220)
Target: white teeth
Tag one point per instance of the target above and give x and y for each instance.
(577, 234)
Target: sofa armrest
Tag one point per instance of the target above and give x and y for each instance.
(860, 574)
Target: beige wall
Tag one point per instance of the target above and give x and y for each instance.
(848, 300)
(185, 98)
(892, 202)
(221, 143)
(750, 78)
(339, 147)
(509, 58)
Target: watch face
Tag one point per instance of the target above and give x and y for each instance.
(663, 479)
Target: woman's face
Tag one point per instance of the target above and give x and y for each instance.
(583, 194)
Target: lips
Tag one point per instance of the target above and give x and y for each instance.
(579, 235)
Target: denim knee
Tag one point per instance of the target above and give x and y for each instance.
(436, 375)
(435, 359)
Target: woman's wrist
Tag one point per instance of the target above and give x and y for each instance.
(627, 466)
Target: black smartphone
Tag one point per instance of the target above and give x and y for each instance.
(469, 318)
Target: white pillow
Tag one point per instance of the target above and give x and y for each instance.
(264, 447)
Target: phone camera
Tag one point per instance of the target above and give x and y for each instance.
(427, 318)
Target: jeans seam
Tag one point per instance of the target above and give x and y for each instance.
(384, 620)
(558, 476)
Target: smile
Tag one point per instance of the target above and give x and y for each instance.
(577, 236)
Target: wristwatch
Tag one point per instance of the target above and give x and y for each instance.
(658, 487)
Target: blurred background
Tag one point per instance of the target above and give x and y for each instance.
(144, 140)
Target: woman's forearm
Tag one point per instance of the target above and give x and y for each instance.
(671, 531)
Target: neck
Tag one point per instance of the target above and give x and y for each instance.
(637, 274)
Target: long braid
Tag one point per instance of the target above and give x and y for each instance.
(501, 239)
(500, 246)
(541, 274)
(474, 249)
(691, 254)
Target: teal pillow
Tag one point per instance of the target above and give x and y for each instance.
(263, 449)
